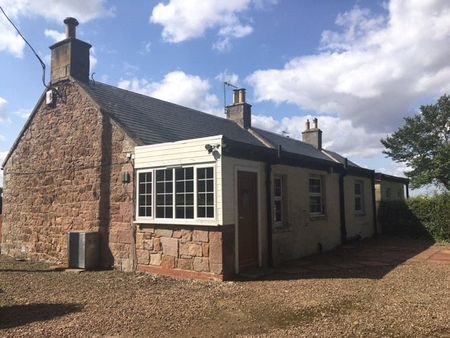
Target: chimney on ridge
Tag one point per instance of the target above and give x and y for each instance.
(240, 111)
(70, 57)
(313, 135)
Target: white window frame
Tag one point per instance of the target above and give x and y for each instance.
(321, 194)
(360, 196)
(174, 220)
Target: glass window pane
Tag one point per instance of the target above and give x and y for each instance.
(169, 187)
(169, 212)
(159, 175)
(201, 199)
(179, 174)
(210, 212)
(209, 185)
(179, 200)
(189, 199)
(210, 199)
(179, 213)
(277, 212)
(190, 186)
(277, 187)
(169, 175)
(159, 187)
(200, 173)
(189, 173)
(201, 186)
(201, 212)
(209, 172)
(160, 212)
(190, 212)
(179, 186)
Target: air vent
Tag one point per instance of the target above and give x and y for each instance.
(83, 250)
(49, 97)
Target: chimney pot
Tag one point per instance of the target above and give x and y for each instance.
(307, 125)
(71, 24)
(316, 123)
(239, 96)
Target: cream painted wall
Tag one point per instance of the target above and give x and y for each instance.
(230, 166)
(358, 223)
(397, 191)
(303, 234)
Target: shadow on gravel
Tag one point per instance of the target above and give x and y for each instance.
(367, 259)
(17, 315)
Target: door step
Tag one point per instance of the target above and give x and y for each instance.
(255, 273)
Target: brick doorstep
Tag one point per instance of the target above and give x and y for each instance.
(179, 274)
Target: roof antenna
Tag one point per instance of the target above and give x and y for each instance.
(225, 85)
(32, 49)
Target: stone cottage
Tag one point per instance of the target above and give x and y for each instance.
(169, 189)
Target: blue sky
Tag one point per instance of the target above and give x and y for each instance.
(359, 66)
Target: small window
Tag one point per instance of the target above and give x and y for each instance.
(279, 200)
(205, 192)
(316, 196)
(359, 196)
(164, 193)
(145, 194)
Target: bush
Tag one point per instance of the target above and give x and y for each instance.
(417, 216)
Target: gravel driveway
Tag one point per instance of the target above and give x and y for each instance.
(351, 292)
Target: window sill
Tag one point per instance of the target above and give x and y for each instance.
(317, 217)
(177, 222)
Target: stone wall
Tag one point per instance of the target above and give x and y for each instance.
(65, 175)
(186, 251)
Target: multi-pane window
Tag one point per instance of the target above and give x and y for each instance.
(316, 196)
(184, 193)
(164, 193)
(359, 196)
(205, 192)
(278, 191)
(176, 193)
(145, 194)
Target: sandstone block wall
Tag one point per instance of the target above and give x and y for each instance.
(65, 174)
(185, 251)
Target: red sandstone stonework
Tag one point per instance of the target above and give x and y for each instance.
(181, 249)
(64, 175)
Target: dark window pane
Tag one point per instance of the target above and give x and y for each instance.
(141, 211)
(159, 175)
(168, 199)
(159, 212)
(210, 199)
(179, 174)
(209, 172)
(209, 185)
(189, 173)
(179, 200)
(169, 212)
(200, 173)
(210, 212)
(201, 185)
(169, 186)
(201, 199)
(357, 188)
(159, 199)
(190, 212)
(358, 205)
(189, 199)
(141, 200)
(179, 186)
(189, 186)
(277, 211)
(277, 188)
(159, 187)
(179, 213)
(201, 212)
(169, 175)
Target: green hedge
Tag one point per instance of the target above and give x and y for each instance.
(417, 216)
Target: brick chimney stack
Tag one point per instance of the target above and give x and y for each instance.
(70, 57)
(240, 111)
(313, 135)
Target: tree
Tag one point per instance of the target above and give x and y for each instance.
(423, 144)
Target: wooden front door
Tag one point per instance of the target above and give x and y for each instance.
(247, 219)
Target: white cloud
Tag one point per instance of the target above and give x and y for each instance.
(338, 135)
(374, 71)
(3, 113)
(187, 19)
(54, 35)
(92, 59)
(9, 40)
(225, 76)
(83, 10)
(23, 113)
(178, 87)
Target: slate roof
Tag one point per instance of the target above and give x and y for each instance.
(340, 158)
(152, 121)
(291, 145)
